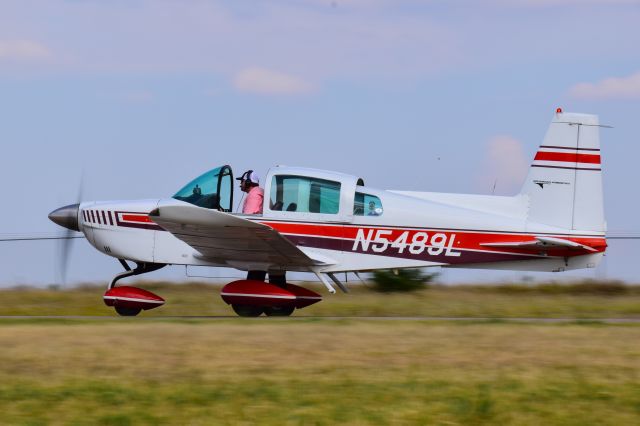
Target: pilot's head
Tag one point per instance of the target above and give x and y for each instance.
(248, 180)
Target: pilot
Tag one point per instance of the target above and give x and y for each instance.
(250, 183)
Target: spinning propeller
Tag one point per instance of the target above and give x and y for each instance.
(66, 217)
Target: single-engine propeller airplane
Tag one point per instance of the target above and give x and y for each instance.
(327, 222)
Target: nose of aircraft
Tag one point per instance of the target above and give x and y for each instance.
(66, 216)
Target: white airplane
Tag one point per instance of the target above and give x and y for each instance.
(327, 222)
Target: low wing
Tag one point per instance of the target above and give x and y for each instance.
(227, 239)
(541, 243)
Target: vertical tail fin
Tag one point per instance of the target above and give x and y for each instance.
(564, 185)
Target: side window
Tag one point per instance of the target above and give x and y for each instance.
(304, 195)
(367, 205)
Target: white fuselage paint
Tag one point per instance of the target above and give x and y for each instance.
(126, 239)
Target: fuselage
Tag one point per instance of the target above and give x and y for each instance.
(413, 230)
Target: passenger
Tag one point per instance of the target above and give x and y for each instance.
(372, 209)
(250, 183)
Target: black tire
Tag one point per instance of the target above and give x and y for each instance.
(247, 310)
(127, 312)
(279, 311)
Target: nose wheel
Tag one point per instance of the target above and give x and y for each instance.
(127, 312)
(130, 301)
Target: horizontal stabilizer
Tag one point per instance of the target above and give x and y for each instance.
(541, 243)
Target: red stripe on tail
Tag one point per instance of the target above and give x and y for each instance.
(568, 157)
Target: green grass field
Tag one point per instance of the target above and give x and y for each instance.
(317, 372)
(325, 371)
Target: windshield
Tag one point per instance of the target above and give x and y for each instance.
(212, 190)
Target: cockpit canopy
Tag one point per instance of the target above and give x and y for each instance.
(290, 193)
(211, 190)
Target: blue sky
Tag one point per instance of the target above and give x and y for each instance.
(141, 96)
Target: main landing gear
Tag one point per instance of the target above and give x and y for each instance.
(248, 298)
(130, 301)
(253, 297)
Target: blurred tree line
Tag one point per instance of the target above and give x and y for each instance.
(401, 280)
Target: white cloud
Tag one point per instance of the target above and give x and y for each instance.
(268, 82)
(609, 88)
(23, 50)
(506, 165)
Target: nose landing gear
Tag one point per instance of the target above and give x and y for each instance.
(130, 301)
(127, 312)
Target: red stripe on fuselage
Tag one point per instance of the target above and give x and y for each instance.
(313, 229)
(463, 239)
(137, 218)
(568, 157)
